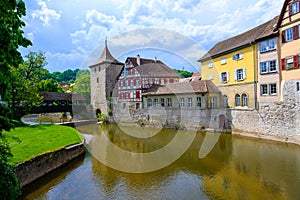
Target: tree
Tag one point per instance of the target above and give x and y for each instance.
(24, 81)
(11, 12)
(49, 85)
(183, 73)
(83, 86)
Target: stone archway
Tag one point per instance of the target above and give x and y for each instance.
(98, 111)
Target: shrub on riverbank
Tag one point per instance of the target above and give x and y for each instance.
(39, 139)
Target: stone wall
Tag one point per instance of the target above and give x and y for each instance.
(279, 119)
(37, 167)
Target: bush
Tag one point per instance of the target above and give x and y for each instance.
(102, 118)
(110, 112)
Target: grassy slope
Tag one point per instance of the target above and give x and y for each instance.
(39, 139)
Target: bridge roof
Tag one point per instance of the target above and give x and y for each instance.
(58, 96)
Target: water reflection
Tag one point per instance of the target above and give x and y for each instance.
(236, 168)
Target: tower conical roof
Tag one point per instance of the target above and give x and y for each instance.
(106, 56)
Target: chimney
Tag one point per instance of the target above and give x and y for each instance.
(155, 59)
(138, 60)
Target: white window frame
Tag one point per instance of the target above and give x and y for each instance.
(190, 102)
(181, 102)
(155, 102)
(210, 64)
(264, 89)
(271, 88)
(240, 74)
(237, 56)
(223, 61)
(289, 34)
(149, 103)
(270, 65)
(244, 100)
(267, 45)
(210, 77)
(289, 63)
(213, 101)
(169, 102)
(225, 101)
(267, 66)
(237, 99)
(295, 7)
(224, 77)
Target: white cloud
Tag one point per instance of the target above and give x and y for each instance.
(45, 14)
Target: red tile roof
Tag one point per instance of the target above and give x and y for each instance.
(240, 41)
(200, 86)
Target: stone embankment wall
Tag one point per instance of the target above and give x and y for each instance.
(280, 120)
(39, 166)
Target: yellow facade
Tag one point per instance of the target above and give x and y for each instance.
(212, 70)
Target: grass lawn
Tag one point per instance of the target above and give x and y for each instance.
(40, 139)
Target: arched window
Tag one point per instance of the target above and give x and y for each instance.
(237, 100)
(225, 98)
(244, 100)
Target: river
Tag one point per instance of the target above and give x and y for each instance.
(234, 168)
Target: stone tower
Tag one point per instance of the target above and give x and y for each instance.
(104, 76)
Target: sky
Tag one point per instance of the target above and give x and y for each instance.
(71, 33)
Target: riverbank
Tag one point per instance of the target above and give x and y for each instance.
(40, 149)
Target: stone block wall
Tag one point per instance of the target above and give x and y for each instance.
(39, 166)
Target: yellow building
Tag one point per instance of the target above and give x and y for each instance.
(289, 25)
(232, 65)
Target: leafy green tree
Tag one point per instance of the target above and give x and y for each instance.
(24, 81)
(49, 85)
(83, 86)
(183, 73)
(11, 38)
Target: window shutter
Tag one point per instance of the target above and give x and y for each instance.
(296, 62)
(283, 36)
(241, 55)
(283, 64)
(221, 80)
(244, 73)
(227, 74)
(290, 9)
(235, 75)
(295, 32)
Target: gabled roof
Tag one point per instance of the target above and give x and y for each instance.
(106, 57)
(152, 68)
(200, 86)
(240, 41)
(283, 9)
(59, 96)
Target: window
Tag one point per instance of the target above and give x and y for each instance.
(95, 69)
(126, 83)
(237, 100)
(244, 100)
(169, 102)
(149, 103)
(268, 67)
(295, 7)
(264, 89)
(199, 102)
(297, 86)
(162, 102)
(263, 68)
(237, 56)
(240, 74)
(225, 98)
(137, 106)
(213, 101)
(137, 82)
(210, 77)
(290, 63)
(131, 82)
(273, 89)
(223, 61)
(224, 77)
(181, 104)
(124, 105)
(267, 45)
(190, 102)
(155, 102)
(210, 65)
(126, 95)
(97, 80)
(289, 34)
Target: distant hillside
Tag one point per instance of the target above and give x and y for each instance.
(183, 73)
(68, 76)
